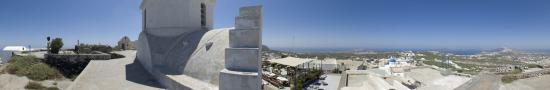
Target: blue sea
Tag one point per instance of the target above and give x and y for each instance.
(452, 51)
(3, 57)
(340, 50)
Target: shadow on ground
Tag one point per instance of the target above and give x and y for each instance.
(137, 74)
(68, 68)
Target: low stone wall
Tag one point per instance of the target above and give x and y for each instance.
(534, 74)
(71, 65)
(77, 57)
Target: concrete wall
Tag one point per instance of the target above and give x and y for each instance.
(144, 54)
(242, 65)
(166, 14)
(202, 61)
(183, 55)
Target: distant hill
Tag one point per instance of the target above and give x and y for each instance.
(268, 53)
(499, 50)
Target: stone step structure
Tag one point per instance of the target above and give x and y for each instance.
(242, 58)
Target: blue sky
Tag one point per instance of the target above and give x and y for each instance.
(312, 23)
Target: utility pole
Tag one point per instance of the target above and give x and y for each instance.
(77, 47)
(48, 44)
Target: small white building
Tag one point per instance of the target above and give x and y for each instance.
(327, 64)
(8, 51)
(16, 48)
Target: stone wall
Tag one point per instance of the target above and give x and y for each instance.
(78, 57)
(534, 74)
(71, 65)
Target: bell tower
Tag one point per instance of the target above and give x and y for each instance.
(187, 15)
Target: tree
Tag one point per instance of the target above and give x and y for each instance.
(56, 45)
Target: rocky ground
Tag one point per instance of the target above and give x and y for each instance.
(13, 82)
(535, 83)
(483, 81)
(432, 79)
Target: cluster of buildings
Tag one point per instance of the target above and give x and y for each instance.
(387, 74)
(533, 59)
(376, 74)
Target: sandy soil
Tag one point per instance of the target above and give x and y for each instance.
(13, 82)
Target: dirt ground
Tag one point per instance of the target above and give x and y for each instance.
(535, 83)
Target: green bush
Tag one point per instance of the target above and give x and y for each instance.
(284, 56)
(52, 88)
(84, 48)
(310, 77)
(18, 64)
(38, 86)
(509, 78)
(115, 56)
(534, 66)
(516, 71)
(34, 85)
(56, 45)
(31, 67)
(41, 71)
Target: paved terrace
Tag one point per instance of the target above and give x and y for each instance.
(484, 81)
(115, 74)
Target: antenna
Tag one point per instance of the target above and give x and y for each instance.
(447, 63)
(293, 46)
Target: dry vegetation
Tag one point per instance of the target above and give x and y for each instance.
(31, 67)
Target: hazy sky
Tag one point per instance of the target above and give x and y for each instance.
(312, 23)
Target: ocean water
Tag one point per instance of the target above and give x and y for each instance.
(325, 50)
(2, 57)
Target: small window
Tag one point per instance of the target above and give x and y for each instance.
(203, 15)
(144, 17)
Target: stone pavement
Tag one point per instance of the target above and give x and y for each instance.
(115, 74)
(484, 81)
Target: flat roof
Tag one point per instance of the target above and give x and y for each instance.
(290, 61)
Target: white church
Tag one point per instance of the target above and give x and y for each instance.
(181, 50)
